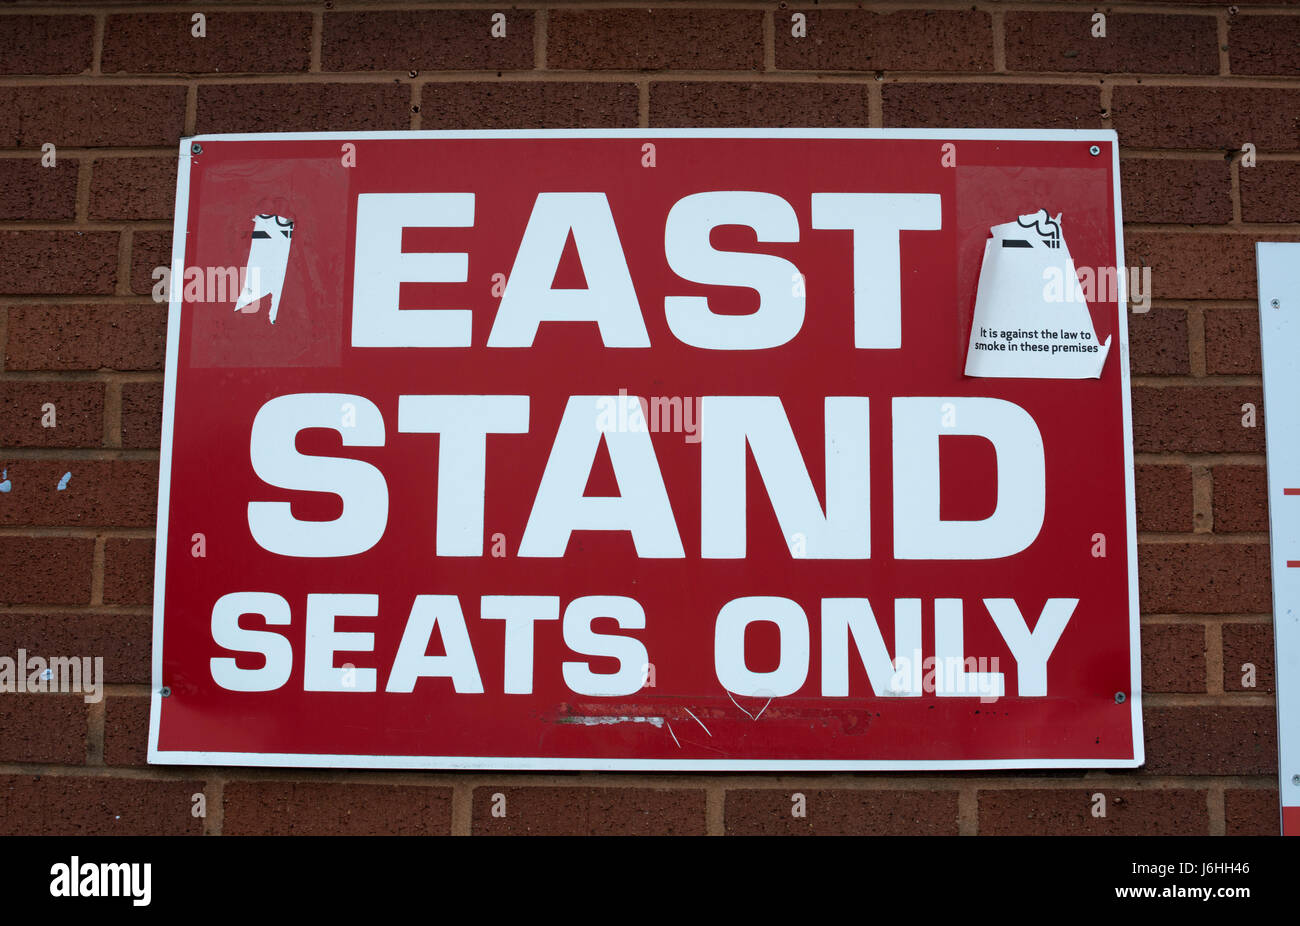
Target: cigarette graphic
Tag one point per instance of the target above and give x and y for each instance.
(268, 256)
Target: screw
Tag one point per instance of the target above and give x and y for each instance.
(1295, 779)
(1120, 697)
(1094, 151)
(196, 148)
(165, 692)
(1276, 303)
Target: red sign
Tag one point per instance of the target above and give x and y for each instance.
(683, 449)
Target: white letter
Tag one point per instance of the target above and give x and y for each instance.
(464, 422)
(1031, 649)
(629, 651)
(277, 462)
(729, 647)
(728, 422)
(641, 506)
(876, 220)
(411, 663)
(62, 878)
(323, 641)
(609, 299)
(779, 315)
(519, 612)
(844, 616)
(953, 681)
(1022, 480)
(274, 648)
(381, 268)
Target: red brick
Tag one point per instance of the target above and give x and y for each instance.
(1232, 341)
(86, 337)
(1164, 497)
(91, 116)
(1196, 266)
(303, 107)
(590, 811)
(995, 106)
(234, 43)
(133, 188)
(59, 805)
(1158, 341)
(1177, 190)
(128, 571)
(1069, 812)
(491, 105)
(1270, 191)
(1252, 812)
(1173, 658)
(905, 40)
(1211, 740)
(1196, 419)
(42, 727)
(149, 251)
(107, 493)
(78, 414)
(1223, 118)
(29, 190)
(692, 40)
(1248, 643)
(126, 731)
(310, 808)
(1137, 44)
(47, 44)
(878, 812)
(1240, 498)
(142, 415)
(1264, 45)
(123, 640)
(45, 570)
(58, 262)
(708, 103)
(426, 40)
(1204, 578)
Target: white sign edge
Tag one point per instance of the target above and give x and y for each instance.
(1278, 277)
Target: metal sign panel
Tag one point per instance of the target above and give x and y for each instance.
(1279, 334)
(674, 449)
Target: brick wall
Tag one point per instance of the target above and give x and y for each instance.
(1186, 85)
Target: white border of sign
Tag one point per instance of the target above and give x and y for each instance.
(1278, 266)
(312, 760)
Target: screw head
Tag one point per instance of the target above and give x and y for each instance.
(1094, 151)
(1295, 779)
(1276, 303)
(196, 148)
(165, 692)
(1120, 697)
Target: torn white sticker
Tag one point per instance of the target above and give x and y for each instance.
(604, 720)
(268, 256)
(1031, 317)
